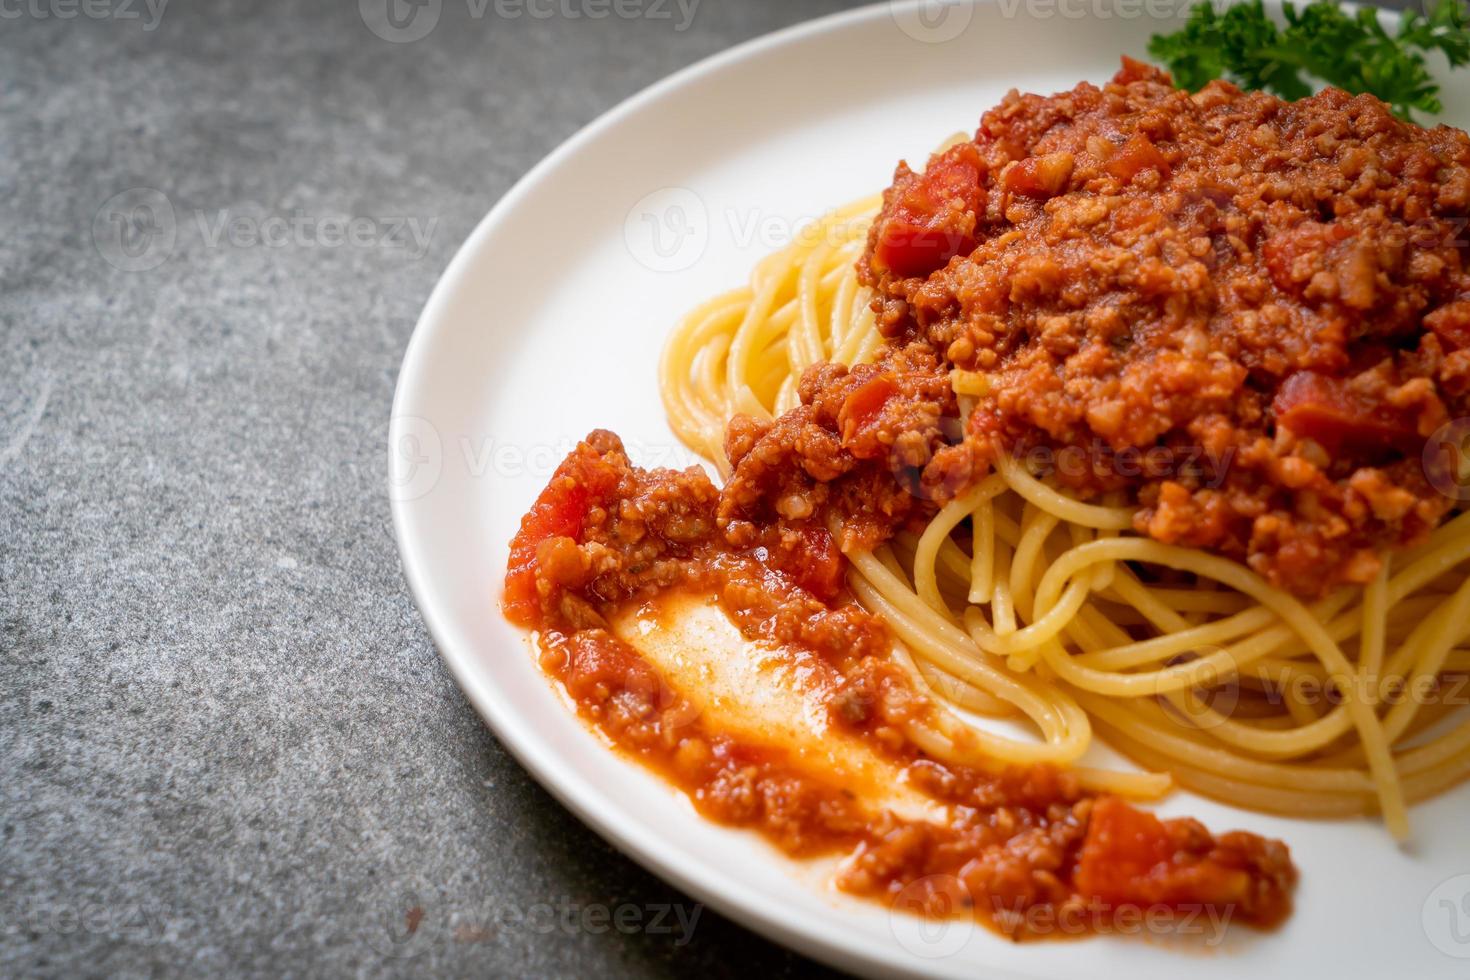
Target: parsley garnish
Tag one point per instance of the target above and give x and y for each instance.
(1321, 40)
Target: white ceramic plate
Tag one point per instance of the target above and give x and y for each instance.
(548, 323)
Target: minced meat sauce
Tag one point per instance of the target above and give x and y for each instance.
(1248, 315)
(1023, 850)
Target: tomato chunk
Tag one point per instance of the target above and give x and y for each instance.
(581, 480)
(1040, 177)
(1133, 858)
(1134, 70)
(1135, 156)
(1325, 409)
(929, 218)
(1293, 254)
(861, 408)
(821, 568)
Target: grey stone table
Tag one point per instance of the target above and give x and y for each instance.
(226, 741)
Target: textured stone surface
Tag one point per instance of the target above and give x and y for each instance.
(226, 740)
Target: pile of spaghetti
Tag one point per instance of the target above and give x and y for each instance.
(1136, 413)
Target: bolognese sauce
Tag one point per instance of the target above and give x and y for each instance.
(605, 535)
(1244, 314)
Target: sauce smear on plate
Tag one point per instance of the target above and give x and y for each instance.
(606, 540)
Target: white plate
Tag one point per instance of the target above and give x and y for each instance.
(548, 323)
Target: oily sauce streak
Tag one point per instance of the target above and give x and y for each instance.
(605, 536)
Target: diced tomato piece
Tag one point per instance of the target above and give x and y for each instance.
(820, 569)
(1294, 254)
(1040, 177)
(929, 218)
(1135, 156)
(581, 480)
(599, 663)
(1130, 857)
(1324, 409)
(1123, 847)
(1134, 70)
(862, 407)
(812, 560)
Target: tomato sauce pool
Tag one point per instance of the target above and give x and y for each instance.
(1019, 849)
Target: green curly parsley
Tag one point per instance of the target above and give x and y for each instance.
(1320, 40)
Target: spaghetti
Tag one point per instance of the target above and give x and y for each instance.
(1019, 600)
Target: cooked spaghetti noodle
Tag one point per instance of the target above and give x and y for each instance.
(1020, 600)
